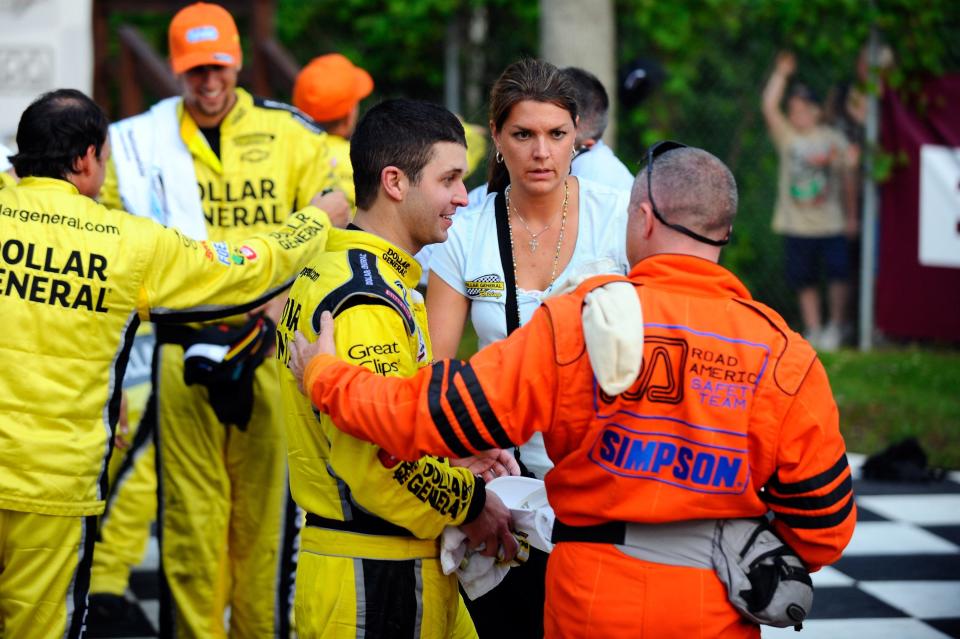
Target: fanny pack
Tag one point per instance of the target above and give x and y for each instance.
(765, 580)
(223, 359)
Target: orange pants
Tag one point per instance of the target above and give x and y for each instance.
(594, 590)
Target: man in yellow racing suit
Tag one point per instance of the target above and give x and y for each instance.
(369, 555)
(77, 279)
(215, 162)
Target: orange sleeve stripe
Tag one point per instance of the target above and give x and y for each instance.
(812, 502)
(440, 421)
(461, 411)
(817, 521)
(491, 423)
(817, 482)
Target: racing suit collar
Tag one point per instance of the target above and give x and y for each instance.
(48, 183)
(693, 275)
(397, 259)
(195, 141)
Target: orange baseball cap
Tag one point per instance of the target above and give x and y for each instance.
(328, 88)
(202, 34)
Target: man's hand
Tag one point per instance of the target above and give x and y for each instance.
(490, 464)
(492, 529)
(336, 206)
(302, 351)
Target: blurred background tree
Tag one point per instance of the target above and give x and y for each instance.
(707, 62)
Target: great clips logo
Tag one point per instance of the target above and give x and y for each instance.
(671, 459)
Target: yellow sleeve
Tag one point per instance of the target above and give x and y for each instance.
(422, 496)
(476, 145)
(318, 173)
(191, 280)
(110, 191)
(339, 154)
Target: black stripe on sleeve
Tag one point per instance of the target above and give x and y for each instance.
(490, 420)
(210, 313)
(816, 521)
(460, 410)
(440, 420)
(812, 503)
(813, 483)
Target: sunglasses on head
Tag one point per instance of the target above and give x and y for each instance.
(653, 153)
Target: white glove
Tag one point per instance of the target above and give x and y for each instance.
(613, 331)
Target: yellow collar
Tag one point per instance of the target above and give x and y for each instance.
(55, 184)
(398, 260)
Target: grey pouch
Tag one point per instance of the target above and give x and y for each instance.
(765, 580)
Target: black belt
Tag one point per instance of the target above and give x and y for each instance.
(611, 532)
(175, 334)
(363, 523)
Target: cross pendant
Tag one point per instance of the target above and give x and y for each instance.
(533, 245)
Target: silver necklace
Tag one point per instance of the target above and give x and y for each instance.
(534, 243)
(563, 225)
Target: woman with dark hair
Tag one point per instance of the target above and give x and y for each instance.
(537, 228)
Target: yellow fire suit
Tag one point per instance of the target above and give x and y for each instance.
(369, 552)
(76, 280)
(132, 501)
(227, 523)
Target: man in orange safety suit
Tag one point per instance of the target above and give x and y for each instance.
(730, 416)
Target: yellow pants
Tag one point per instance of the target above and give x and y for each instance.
(392, 588)
(227, 524)
(132, 503)
(44, 574)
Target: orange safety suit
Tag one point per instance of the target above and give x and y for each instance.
(731, 416)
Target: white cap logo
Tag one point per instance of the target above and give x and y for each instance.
(205, 33)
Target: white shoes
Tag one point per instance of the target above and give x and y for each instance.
(827, 339)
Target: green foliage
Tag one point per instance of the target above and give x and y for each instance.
(886, 396)
(717, 56)
(401, 42)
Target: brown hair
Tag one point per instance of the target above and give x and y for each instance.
(526, 79)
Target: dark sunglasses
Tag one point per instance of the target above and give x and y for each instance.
(653, 153)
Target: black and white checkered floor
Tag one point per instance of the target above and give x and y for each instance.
(898, 579)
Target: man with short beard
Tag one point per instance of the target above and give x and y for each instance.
(218, 164)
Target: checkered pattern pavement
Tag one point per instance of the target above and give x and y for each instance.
(898, 579)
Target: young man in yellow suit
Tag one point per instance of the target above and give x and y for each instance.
(369, 563)
(216, 163)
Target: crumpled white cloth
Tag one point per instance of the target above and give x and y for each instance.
(613, 331)
(612, 326)
(533, 521)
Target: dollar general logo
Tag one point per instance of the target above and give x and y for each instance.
(490, 285)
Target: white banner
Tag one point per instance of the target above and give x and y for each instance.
(940, 206)
(46, 45)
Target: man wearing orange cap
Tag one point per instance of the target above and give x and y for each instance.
(329, 90)
(219, 164)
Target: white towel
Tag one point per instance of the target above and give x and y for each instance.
(613, 330)
(155, 169)
(533, 520)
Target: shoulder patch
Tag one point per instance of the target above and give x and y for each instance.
(308, 123)
(365, 286)
(797, 357)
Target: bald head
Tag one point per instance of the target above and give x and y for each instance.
(690, 187)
